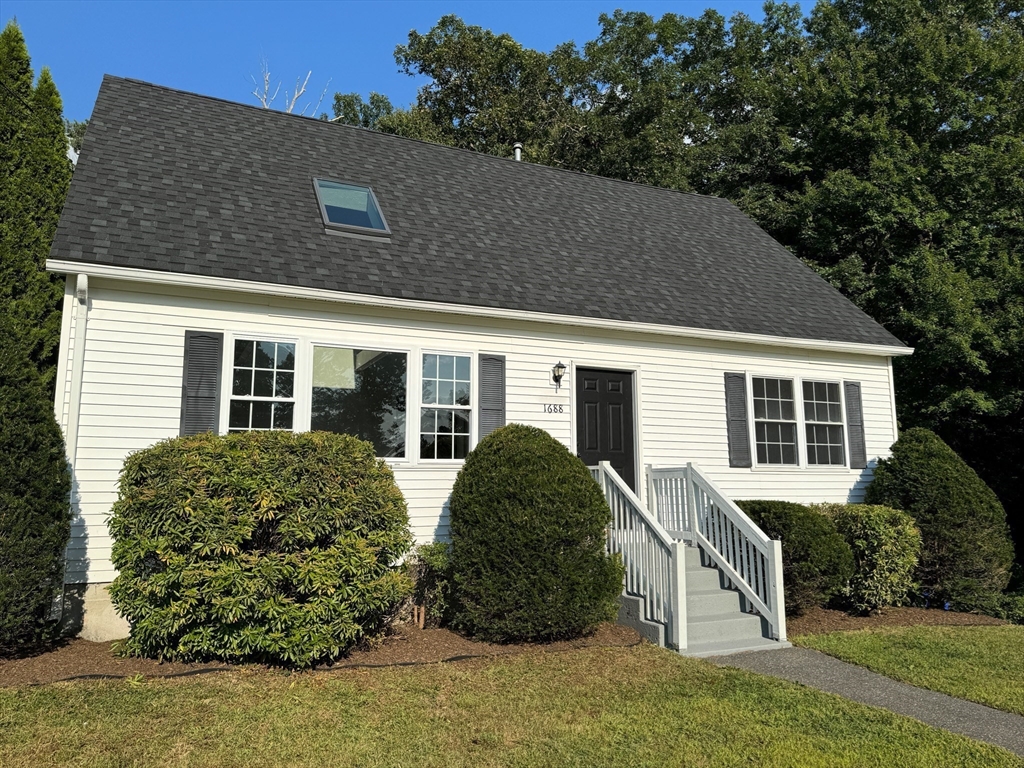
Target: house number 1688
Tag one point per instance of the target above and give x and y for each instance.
(551, 408)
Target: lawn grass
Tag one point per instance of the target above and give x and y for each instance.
(591, 707)
(982, 664)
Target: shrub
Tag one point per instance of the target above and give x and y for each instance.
(35, 514)
(432, 575)
(270, 547)
(816, 562)
(965, 544)
(1012, 609)
(885, 544)
(528, 541)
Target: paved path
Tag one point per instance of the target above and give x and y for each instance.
(814, 669)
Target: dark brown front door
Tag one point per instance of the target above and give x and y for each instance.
(604, 420)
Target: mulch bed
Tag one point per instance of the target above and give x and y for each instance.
(818, 621)
(408, 645)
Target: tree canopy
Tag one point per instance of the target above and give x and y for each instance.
(881, 141)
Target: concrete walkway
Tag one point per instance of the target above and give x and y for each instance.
(816, 670)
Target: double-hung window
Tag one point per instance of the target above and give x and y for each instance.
(262, 386)
(774, 421)
(823, 422)
(446, 412)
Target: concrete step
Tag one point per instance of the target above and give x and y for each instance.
(723, 627)
(692, 557)
(712, 602)
(725, 648)
(703, 580)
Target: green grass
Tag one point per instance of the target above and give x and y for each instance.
(982, 664)
(593, 707)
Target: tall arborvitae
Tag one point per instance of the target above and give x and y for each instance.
(36, 176)
(15, 96)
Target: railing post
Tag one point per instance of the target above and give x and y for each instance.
(679, 596)
(652, 495)
(775, 580)
(691, 502)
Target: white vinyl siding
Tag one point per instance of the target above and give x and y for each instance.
(132, 392)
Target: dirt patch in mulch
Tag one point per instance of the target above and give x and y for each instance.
(407, 646)
(818, 621)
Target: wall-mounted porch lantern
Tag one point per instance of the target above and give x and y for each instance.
(557, 373)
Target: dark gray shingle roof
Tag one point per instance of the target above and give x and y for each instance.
(177, 182)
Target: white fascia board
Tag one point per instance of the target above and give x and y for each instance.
(297, 292)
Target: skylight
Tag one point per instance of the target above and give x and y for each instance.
(350, 207)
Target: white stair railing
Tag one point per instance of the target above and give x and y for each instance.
(654, 561)
(690, 506)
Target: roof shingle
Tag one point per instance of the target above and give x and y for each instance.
(177, 182)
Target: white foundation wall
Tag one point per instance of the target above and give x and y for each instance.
(131, 391)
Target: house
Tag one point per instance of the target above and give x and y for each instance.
(231, 268)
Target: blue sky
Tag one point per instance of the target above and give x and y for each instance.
(214, 47)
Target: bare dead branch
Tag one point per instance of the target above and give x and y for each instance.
(299, 90)
(264, 96)
(319, 101)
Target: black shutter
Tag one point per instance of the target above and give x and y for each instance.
(736, 419)
(492, 393)
(200, 382)
(855, 425)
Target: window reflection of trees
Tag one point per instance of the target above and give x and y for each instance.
(373, 410)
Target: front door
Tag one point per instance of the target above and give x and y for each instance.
(604, 420)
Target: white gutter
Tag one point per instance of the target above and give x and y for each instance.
(320, 294)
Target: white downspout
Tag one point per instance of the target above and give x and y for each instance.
(77, 365)
(81, 306)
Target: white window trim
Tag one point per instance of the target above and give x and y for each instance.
(751, 422)
(302, 415)
(841, 422)
(473, 408)
(228, 374)
(307, 402)
(801, 430)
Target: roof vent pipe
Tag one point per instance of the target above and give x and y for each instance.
(517, 151)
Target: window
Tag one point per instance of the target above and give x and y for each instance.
(361, 392)
(823, 421)
(774, 421)
(446, 412)
(350, 207)
(262, 386)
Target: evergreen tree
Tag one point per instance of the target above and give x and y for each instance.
(36, 174)
(35, 514)
(15, 94)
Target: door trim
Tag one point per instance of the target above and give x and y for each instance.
(637, 371)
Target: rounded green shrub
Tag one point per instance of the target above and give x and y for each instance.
(966, 552)
(817, 563)
(886, 545)
(268, 547)
(35, 512)
(528, 541)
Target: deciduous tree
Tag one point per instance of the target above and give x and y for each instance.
(881, 141)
